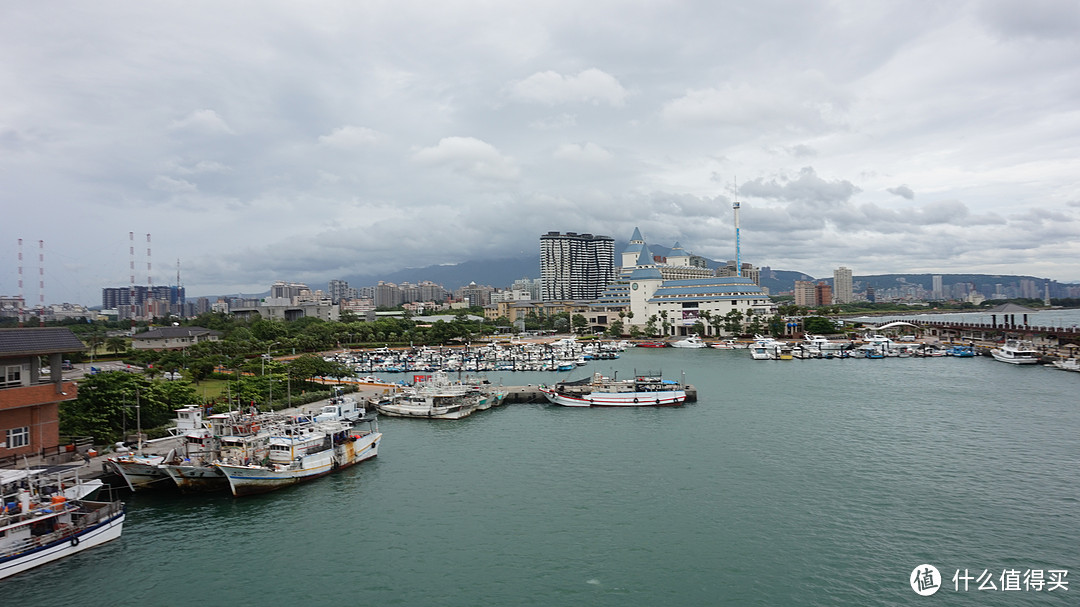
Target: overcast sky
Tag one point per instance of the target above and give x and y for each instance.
(307, 141)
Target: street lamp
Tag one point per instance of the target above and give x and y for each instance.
(270, 401)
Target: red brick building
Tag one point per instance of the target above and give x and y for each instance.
(30, 399)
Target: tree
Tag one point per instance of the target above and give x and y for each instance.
(616, 329)
(200, 368)
(733, 322)
(561, 324)
(818, 324)
(116, 344)
(650, 325)
(665, 323)
(706, 318)
(580, 323)
(107, 402)
(94, 340)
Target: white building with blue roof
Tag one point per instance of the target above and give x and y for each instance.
(685, 302)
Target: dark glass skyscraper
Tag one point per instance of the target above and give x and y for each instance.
(575, 266)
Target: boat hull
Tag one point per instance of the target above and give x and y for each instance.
(251, 480)
(141, 473)
(666, 398)
(1013, 360)
(197, 479)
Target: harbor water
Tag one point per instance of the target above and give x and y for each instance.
(817, 482)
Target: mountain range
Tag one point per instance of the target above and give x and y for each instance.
(502, 273)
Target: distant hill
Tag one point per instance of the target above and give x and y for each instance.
(503, 272)
(494, 272)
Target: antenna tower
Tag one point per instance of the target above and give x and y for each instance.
(41, 282)
(735, 206)
(149, 277)
(131, 262)
(20, 275)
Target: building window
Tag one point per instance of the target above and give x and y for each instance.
(12, 376)
(18, 437)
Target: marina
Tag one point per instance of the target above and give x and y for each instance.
(787, 470)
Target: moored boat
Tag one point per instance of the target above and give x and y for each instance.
(1068, 364)
(645, 390)
(308, 453)
(1016, 352)
(651, 344)
(691, 341)
(36, 529)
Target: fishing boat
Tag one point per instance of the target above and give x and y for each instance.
(1016, 352)
(37, 528)
(310, 452)
(691, 341)
(1068, 364)
(140, 472)
(961, 351)
(436, 397)
(645, 390)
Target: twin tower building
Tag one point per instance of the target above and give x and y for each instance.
(677, 291)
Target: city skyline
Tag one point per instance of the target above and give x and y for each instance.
(343, 139)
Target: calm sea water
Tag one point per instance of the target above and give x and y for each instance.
(788, 483)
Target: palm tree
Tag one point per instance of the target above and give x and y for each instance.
(116, 344)
(93, 341)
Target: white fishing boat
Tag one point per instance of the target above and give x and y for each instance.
(1016, 352)
(140, 472)
(308, 453)
(436, 397)
(37, 528)
(1068, 364)
(645, 390)
(340, 407)
(691, 341)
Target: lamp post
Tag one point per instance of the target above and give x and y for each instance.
(270, 401)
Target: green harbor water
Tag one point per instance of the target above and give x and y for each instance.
(820, 482)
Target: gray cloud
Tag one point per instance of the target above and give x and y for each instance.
(902, 191)
(324, 140)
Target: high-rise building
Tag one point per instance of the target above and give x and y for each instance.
(575, 266)
(340, 289)
(822, 294)
(937, 290)
(842, 292)
(805, 293)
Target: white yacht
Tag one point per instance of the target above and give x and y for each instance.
(691, 341)
(1016, 352)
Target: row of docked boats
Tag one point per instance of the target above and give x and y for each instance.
(249, 453)
(872, 346)
(561, 355)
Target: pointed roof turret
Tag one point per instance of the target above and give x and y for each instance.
(645, 257)
(637, 236)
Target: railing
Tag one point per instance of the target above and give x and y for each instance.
(1072, 330)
